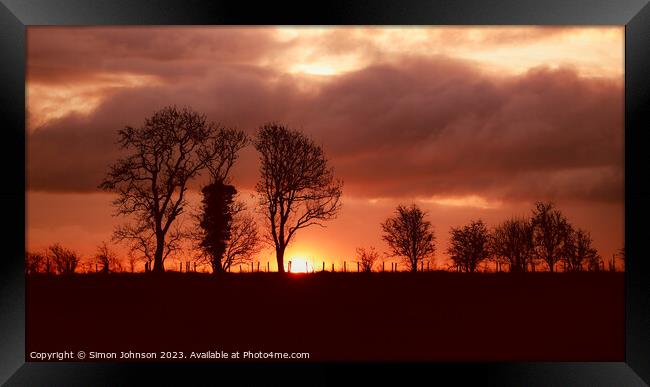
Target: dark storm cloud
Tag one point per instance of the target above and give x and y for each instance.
(414, 126)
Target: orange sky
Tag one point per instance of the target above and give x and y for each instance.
(467, 122)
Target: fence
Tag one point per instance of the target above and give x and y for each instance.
(306, 267)
(356, 267)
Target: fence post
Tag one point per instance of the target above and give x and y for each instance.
(332, 267)
(323, 265)
(195, 267)
(240, 267)
(344, 267)
(427, 265)
(289, 267)
(357, 267)
(382, 266)
(267, 266)
(258, 266)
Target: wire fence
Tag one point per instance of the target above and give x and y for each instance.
(305, 267)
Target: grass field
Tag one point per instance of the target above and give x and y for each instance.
(335, 316)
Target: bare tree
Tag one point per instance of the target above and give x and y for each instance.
(132, 259)
(578, 251)
(107, 259)
(87, 266)
(621, 255)
(244, 240)
(169, 150)
(594, 263)
(297, 188)
(409, 236)
(367, 258)
(550, 231)
(469, 245)
(35, 263)
(65, 261)
(141, 242)
(512, 241)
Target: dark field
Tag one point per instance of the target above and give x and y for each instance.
(342, 316)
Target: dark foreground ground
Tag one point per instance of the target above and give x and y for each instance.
(343, 316)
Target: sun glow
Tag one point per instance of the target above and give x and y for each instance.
(463, 201)
(316, 69)
(301, 265)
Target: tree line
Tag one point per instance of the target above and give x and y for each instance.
(296, 189)
(517, 244)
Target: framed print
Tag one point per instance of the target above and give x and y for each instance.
(390, 190)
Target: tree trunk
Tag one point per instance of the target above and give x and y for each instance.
(158, 266)
(515, 266)
(551, 266)
(217, 268)
(279, 255)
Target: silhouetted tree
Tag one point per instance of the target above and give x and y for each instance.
(550, 231)
(107, 260)
(469, 245)
(132, 259)
(297, 188)
(621, 255)
(409, 236)
(367, 258)
(226, 235)
(141, 241)
(215, 221)
(169, 150)
(512, 241)
(87, 266)
(578, 251)
(595, 263)
(65, 261)
(244, 240)
(35, 263)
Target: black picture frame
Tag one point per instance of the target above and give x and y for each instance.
(16, 15)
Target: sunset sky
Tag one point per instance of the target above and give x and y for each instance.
(467, 122)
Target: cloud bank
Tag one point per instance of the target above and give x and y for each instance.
(409, 124)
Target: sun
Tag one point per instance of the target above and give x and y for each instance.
(301, 265)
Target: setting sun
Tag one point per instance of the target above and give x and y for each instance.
(301, 265)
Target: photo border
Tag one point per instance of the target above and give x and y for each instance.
(16, 15)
